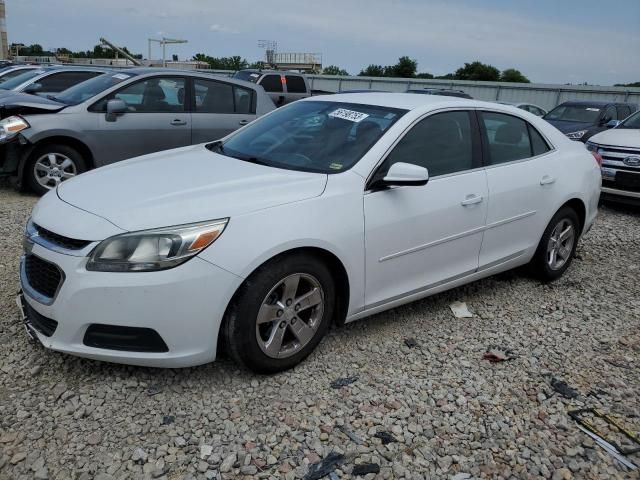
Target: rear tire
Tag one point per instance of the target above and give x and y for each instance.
(51, 164)
(280, 313)
(557, 246)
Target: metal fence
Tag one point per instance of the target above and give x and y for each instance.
(546, 96)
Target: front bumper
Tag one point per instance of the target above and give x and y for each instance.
(184, 305)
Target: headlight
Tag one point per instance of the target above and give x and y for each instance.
(11, 126)
(576, 135)
(152, 250)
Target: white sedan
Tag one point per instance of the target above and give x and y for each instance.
(325, 211)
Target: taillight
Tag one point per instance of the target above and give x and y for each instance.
(598, 158)
(593, 148)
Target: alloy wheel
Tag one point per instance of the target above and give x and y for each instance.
(290, 315)
(52, 168)
(560, 244)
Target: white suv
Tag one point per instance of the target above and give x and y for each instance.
(619, 148)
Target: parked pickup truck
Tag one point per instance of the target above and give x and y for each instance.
(283, 87)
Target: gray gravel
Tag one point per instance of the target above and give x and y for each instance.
(449, 413)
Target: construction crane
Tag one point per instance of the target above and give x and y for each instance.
(164, 41)
(106, 42)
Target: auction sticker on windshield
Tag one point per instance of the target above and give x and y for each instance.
(120, 76)
(350, 115)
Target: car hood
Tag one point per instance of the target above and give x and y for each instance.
(568, 127)
(13, 103)
(618, 137)
(185, 185)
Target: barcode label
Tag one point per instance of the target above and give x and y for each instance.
(350, 115)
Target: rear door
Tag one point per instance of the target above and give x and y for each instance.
(219, 108)
(157, 119)
(522, 186)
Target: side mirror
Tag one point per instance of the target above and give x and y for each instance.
(115, 107)
(33, 88)
(613, 123)
(401, 173)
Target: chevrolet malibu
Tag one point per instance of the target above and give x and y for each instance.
(325, 211)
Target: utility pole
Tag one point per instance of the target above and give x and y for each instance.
(164, 41)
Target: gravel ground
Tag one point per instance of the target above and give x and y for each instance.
(448, 412)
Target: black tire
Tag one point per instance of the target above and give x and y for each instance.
(240, 332)
(540, 264)
(59, 150)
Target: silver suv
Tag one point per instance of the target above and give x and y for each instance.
(120, 115)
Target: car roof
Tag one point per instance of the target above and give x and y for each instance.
(588, 103)
(405, 101)
(257, 70)
(140, 71)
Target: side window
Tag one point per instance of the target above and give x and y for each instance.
(213, 97)
(538, 144)
(295, 84)
(58, 82)
(244, 100)
(442, 143)
(609, 114)
(271, 83)
(153, 95)
(623, 112)
(507, 136)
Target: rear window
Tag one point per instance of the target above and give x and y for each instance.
(272, 83)
(295, 84)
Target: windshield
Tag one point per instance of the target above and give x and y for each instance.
(90, 88)
(632, 122)
(9, 73)
(313, 136)
(574, 113)
(20, 79)
(247, 76)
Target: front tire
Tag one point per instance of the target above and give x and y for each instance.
(557, 247)
(280, 313)
(51, 164)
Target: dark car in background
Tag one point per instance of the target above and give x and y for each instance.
(440, 91)
(580, 120)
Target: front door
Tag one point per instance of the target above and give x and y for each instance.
(418, 237)
(156, 120)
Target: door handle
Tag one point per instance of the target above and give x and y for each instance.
(177, 121)
(471, 200)
(243, 122)
(547, 180)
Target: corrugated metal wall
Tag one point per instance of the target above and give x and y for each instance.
(544, 95)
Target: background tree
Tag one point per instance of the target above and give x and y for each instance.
(513, 75)
(334, 70)
(424, 75)
(633, 84)
(372, 71)
(405, 68)
(478, 71)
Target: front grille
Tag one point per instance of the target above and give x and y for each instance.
(59, 240)
(119, 337)
(44, 277)
(44, 325)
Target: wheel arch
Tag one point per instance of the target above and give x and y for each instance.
(579, 207)
(72, 142)
(336, 267)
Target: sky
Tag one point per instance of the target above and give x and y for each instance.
(550, 41)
